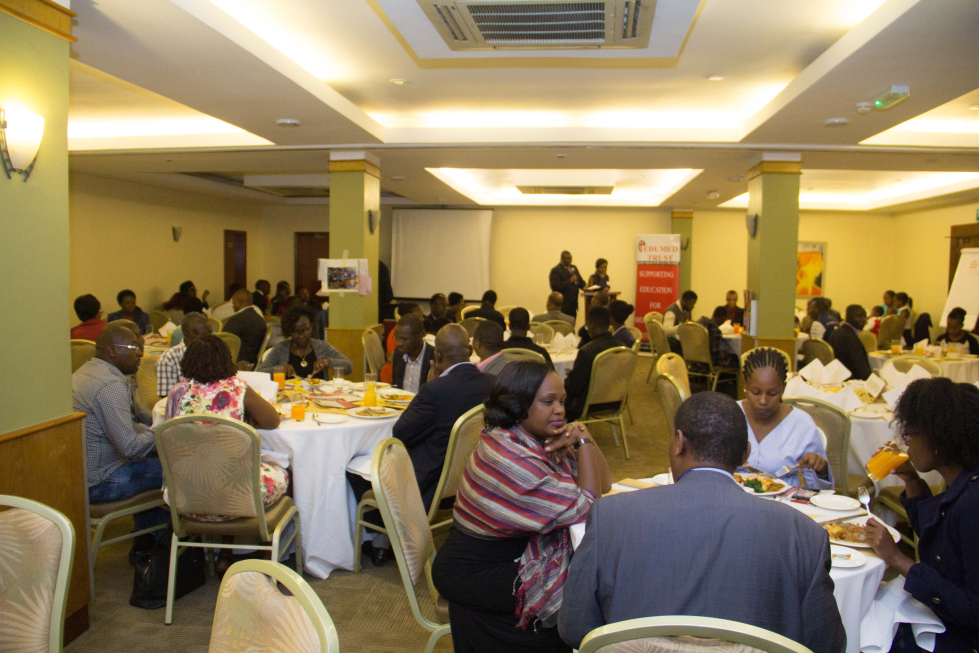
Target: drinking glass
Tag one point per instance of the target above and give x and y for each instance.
(298, 412)
(338, 377)
(370, 389)
(886, 461)
(919, 350)
(280, 378)
(895, 346)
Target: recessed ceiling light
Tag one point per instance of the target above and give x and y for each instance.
(974, 107)
(287, 122)
(715, 78)
(560, 156)
(836, 122)
(397, 178)
(399, 82)
(713, 195)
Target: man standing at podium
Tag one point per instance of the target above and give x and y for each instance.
(566, 280)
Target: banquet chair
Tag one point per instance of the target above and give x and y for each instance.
(505, 312)
(102, 514)
(868, 340)
(658, 344)
(671, 396)
(265, 343)
(233, 342)
(611, 373)
(904, 364)
(559, 326)
(373, 351)
(82, 351)
(695, 342)
(37, 554)
(213, 468)
(215, 324)
(674, 365)
(685, 634)
(637, 336)
(656, 316)
(253, 614)
(834, 423)
(470, 324)
(508, 356)
(543, 329)
(816, 349)
(891, 328)
(146, 381)
(466, 310)
(403, 513)
(158, 319)
(788, 361)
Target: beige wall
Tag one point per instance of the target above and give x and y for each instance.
(280, 222)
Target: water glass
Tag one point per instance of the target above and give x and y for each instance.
(338, 377)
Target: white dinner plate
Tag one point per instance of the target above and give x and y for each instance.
(328, 418)
(785, 486)
(394, 392)
(846, 558)
(834, 502)
(662, 479)
(873, 411)
(360, 386)
(388, 412)
(860, 545)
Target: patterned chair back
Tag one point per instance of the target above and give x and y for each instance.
(265, 342)
(158, 319)
(891, 328)
(674, 365)
(543, 328)
(462, 441)
(657, 337)
(637, 336)
(512, 355)
(146, 381)
(373, 350)
(82, 351)
(814, 348)
(611, 373)
(834, 422)
(233, 342)
(559, 326)
(215, 324)
(470, 324)
(868, 340)
(671, 396)
(904, 364)
(695, 342)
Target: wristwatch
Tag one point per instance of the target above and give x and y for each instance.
(577, 443)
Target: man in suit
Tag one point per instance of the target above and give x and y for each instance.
(260, 298)
(730, 311)
(579, 377)
(487, 309)
(566, 280)
(708, 548)
(438, 305)
(846, 344)
(248, 324)
(519, 325)
(413, 357)
(554, 303)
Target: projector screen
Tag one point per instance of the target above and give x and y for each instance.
(434, 250)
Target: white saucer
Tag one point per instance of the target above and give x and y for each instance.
(662, 479)
(328, 418)
(834, 502)
(838, 556)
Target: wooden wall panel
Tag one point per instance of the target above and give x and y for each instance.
(48, 15)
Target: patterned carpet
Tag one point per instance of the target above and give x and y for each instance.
(370, 609)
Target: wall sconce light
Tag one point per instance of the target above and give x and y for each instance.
(176, 233)
(20, 138)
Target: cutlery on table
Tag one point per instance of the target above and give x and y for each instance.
(785, 470)
(864, 497)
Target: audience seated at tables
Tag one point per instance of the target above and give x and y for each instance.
(280, 302)
(619, 312)
(780, 434)
(413, 357)
(211, 385)
(553, 312)
(730, 311)
(299, 354)
(680, 549)
(579, 377)
(260, 298)
(873, 320)
(436, 319)
(190, 305)
(89, 311)
(832, 311)
(565, 279)
(846, 344)
(120, 452)
(823, 322)
(454, 386)
(955, 334)
(519, 325)
(531, 476)
(903, 305)
(888, 307)
(403, 308)
(226, 309)
(248, 324)
(187, 289)
(720, 355)
(194, 325)
(130, 311)
(600, 276)
(676, 314)
(488, 344)
(456, 304)
(939, 422)
(141, 414)
(600, 298)
(487, 310)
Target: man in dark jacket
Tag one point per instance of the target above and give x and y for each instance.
(566, 279)
(248, 325)
(413, 357)
(580, 375)
(519, 325)
(487, 310)
(730, 311)
(846, 344)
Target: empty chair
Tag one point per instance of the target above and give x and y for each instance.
(103, 514)
(158, 319)
(891, 329)
(611, 373)
(38, 548)
(544, 330)
(904, 364)
(373, 351)
(834, 423)
(637, 336)
(658, 344)
(868, 340)
(559, 326)
(466, 310)
(82, 351)
(676, 367)
(695, 341)
(233, 342)
(470, 324)
(816, 349)
(671, 396)
(655, 316)
(253, 614)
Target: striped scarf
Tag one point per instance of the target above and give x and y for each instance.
(511, 487)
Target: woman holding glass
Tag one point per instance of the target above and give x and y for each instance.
(299, 354)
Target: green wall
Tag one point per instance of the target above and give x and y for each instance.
(352, 194)
(35, 385)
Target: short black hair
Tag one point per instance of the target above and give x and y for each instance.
(282, 285)
(489, 297)
(87, 307)
(185, 286)
(600, 262)
(601, 298)
(620, 310)
(404, 308)
(519, 319)
(762, 357)
(233, 288)
(889, 292)
(513, 393)
(123, 294)
(946, 414)
(207, 360)
(262, 282)
(454, 298)
(293, 315)
(688, 295)
(957, 313)
(715, 427)
(489, 334)
(854, 309)
(192, 305)
(412, 321)
(436, 297)
(600, 318)
(901, 297)
(821, 304)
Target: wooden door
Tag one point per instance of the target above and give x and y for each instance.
(235, 260)
(310, 247)
(964, 236)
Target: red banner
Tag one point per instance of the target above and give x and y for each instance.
(657, 275)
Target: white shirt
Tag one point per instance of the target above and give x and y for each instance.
(223, 312)
(669, 322)
(786, 444)
(413, 371)
(817, 330)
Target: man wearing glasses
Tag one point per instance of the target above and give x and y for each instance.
(122, 460)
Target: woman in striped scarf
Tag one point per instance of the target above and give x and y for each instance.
(502, 567)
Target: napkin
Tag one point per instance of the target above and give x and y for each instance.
(167, 329)
(813, 372)
(846, 399)
(892, 377)
(894, 606)
(917, 372)
(933, 350)
(361, 465)
(557, 342)
(891, 396)
(835, 372)
(262, 383)
(726, 328)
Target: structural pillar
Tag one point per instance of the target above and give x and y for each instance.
(682, 223)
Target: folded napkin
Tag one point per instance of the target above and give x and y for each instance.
(361, 465)
(894, 606)
(816, 372)
(917, 372)
(845, 399)
(726, 328)
(891, 396)
(262, 383)
(933, 350)
(167, 329)
(558, 342)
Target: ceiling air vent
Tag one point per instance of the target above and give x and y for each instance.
(542, 24)
(566, 190)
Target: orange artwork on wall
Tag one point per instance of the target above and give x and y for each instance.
(810, 270)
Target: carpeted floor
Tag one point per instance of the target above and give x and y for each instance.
(370, 609)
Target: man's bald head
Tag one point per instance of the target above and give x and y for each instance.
(129, 324)
(193, 326)
(488, 338)
(114, 333)
(118, 345)
(554, 301)
(452, 346)
(241, 299)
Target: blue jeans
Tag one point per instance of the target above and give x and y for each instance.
(128, 481)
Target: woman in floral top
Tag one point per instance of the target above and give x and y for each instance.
(211, 385)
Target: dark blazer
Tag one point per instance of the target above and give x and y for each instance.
(703, 547)
(560, 280)
(576, 385)
(260, 300)
(850, 351)
(488, 313)
(250, 327)
(425, 425)
(433, 324)
(720, 315)
(398, 365)
(517, 342)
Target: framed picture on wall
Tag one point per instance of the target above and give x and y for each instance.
(810, 276)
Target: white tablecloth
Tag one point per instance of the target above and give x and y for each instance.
(962, 370)
(866, 436)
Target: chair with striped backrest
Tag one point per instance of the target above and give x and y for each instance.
(835, 424)
(695, 341)
(470, 324)
(373, 351)
(466, 310)
(82, 351)
(611, 373)
(868, 340)
(658, 344)
(891, 329)
(904, 364)
(671, 396)
(675, 366)
(158, 319)
(559, 326)
(816, 349)
(543, 329)
(233, 342)
(637, 337)
(265, 343)
(505, 312)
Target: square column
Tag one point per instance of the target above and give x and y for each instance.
(682, 223)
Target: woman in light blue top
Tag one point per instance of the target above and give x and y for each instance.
(780, 434)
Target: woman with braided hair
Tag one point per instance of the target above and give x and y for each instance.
(778, 433)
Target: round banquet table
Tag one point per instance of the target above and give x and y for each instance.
(960, 370)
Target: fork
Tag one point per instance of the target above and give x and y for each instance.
(864, 497)
(785, 470)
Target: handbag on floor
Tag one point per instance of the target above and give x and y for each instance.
(152, 568)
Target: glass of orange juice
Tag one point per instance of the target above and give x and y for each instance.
(370, 389)
(298, 407)
(280, 378)
(737, 329)
(886, 461)
(895, 346)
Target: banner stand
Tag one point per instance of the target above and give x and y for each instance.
(657, 277)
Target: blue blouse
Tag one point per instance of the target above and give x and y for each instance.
(795, 436)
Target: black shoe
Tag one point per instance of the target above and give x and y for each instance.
(379, 556)
(144, 542)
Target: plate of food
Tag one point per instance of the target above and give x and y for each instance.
(845, 558)
(852, 532)
(380, 385)
(395, 396)
(834, 502)
(761, 484)
(372, 413)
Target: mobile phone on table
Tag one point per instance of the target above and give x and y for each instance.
(804, 495)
